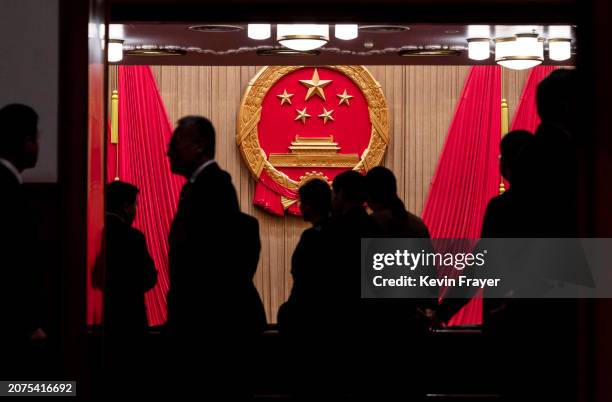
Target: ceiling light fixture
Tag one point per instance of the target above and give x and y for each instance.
(429, 52)
(479, 48)
(302, 36)
(115, 42)
(155, 52)
(383, 29)
(216, 28)
(259, 31)
(115, 50)
(520, 52)
(286, 52)
(346, 31)
(115, 31)
(559, 49)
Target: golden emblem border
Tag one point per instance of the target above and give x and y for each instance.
(247, 137)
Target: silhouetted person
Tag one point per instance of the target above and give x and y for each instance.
(407, 319)
(214, 310)
(539, 203)
(128, 274)
(350, 223)
(130, 270)
(305, 312)
(308, 320)
(507, 214)
(21, 285)
(552, 190)
(550, 159)
(388, 210)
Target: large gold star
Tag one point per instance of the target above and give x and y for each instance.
(302, 115)
(285, 97)
(344, 98)
(326, 115)
(315, 85)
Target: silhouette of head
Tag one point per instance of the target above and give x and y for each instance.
(348, 191)
(512, 147)
(121, 200)
(557, 98)
(381, 187)
(315, 200)
(192, 143)
(19, 135)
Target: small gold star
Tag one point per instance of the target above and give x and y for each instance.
(344, 98)
(302, 115)
(285, 97)
(326, 115)
(315, 86)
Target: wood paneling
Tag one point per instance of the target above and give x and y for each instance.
(421, 102)
(513, 82)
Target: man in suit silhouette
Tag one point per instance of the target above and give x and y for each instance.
(21, 284)
(130, 270)
(305, 312)
(506, 215)
(214, 250)
(129, 273)
(550, 190)
(389, 212)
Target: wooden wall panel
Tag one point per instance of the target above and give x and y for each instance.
(512, 87)
(421, 102)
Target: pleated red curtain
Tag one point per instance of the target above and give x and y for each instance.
(144, 133)
(526, 115)
(467, 175)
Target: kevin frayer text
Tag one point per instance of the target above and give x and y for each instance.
(410, 260)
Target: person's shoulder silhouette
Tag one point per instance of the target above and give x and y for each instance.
(508, 214)
(388, 210)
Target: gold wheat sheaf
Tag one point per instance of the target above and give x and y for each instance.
(250, 112)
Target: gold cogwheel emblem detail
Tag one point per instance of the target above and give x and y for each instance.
(312, 176)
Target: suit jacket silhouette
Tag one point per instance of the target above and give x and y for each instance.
(130, 272)
(214, 250)
(22, 279)
(312, 297)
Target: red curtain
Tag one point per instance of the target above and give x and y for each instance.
(526, 115)
(467, 175)
(144, 133)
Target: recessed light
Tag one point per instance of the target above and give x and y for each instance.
(429, 52)
(287, 52)
(215, 28)
(451, 31)
(383, 28)
(155, 52)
